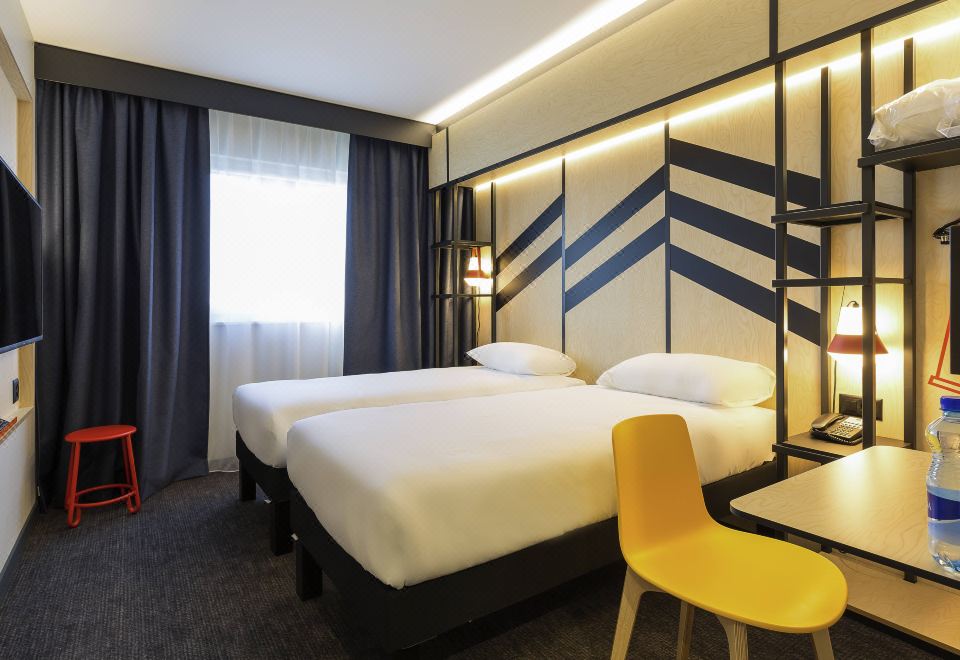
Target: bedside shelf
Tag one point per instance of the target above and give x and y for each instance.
(803, 445)
(835, 281)
(920, 157)
(847, 213)
(450, 245)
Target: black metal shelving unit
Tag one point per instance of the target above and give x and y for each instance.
(866, 212)
(458, 247)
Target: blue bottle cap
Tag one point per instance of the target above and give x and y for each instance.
(950, 403)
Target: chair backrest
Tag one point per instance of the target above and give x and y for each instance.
(658, 486)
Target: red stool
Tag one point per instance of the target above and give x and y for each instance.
(129, 491)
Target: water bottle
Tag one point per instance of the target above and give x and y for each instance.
(943, 485)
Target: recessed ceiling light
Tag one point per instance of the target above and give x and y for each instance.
(590, 21)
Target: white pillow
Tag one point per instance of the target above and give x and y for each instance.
(692, 377)
(528, 359)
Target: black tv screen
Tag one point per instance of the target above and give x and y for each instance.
(20, 297)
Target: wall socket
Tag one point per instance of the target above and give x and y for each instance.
(853, 406)
(16, 390)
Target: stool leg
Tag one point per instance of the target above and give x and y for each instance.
(736, 638)
(822, 645)
(686, 630)
(248, 486)
(633, 588)
(70, 500)
(130, 468)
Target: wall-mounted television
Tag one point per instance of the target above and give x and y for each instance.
(20, 292)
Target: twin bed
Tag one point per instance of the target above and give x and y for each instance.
(446, 500)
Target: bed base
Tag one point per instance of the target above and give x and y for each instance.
(402, 618)
(276, 485)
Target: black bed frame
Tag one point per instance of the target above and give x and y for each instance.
(402, 618)
(276, 485)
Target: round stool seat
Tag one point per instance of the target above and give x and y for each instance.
(101, 433)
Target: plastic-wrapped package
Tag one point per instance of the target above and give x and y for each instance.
(929, 112)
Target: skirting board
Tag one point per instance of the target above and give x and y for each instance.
(14, 559)
(924, 610)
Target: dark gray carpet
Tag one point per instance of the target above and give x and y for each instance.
(190, 576)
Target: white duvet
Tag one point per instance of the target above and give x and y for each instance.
(417, 491)
(264, 412)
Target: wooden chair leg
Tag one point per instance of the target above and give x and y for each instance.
(633, 588)
(736, 638)
(686, 630)
(822, 645)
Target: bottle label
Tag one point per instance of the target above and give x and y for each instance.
(942, 508)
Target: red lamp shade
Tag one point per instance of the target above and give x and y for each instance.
(474, 275)
(848, 339)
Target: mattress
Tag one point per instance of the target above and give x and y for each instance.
(418, 491)
(264, 412)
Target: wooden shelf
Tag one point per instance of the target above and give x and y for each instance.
(920, 157)
(847, 213)
(803, 445)
(835, 281)
(460, 245)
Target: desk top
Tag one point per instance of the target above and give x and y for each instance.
(872, 503)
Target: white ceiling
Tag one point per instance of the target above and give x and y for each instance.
(400, 57)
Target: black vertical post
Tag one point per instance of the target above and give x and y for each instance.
(493, 261)
(954, 299)
(437, 302)
(780, 188)
(868, 232)
(910, 277)
(563, 255)
(666, 237)
(774, 27)
(454, 298)
(826, 175)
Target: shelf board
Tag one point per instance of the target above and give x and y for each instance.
(462, 245)
(450, 296)
(803, 445)
(835, 281)
(847, 213)
(919, 157)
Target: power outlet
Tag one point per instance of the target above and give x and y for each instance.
(852, 405)
(16, 390)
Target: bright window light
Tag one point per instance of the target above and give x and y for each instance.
(579, 28)
(276, 249)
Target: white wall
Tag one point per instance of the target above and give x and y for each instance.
(17, 487)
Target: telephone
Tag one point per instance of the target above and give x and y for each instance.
(838, 428)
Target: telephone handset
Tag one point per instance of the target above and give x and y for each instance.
(838, 428)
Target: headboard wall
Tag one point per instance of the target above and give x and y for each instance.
(662, 240)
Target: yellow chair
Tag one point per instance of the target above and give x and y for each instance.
(672, 545)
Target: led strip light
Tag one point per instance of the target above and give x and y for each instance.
(927, 36)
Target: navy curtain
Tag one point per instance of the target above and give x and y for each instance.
(387, 315)
(124, 183)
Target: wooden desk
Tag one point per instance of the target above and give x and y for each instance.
(871, 504)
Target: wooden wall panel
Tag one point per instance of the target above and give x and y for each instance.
(676, 47)
(437, 160)
(625, 317)
(534, 315)
(801, 21)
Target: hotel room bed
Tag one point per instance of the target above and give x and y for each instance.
(264, 412)
(429, 510)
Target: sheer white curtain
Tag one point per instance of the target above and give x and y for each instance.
(278, 206)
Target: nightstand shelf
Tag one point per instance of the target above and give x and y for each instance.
(920, 157)
(847, 213)
(804, 445)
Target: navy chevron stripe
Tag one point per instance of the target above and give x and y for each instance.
(633, 252)
(531, 233)
(642, 195)
(802, 189)
(536, 268)
(760, 300)
(803, 255)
